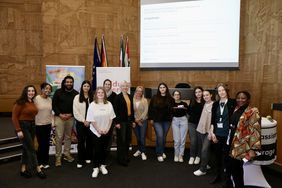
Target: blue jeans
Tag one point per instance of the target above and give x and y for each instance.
(140, 132)
(161, 129)
(179, 130)
(195, 145)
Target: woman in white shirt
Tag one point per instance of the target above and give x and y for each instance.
(80, 105)
(100, 114)
(43, 121)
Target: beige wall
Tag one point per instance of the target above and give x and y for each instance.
(34, 33)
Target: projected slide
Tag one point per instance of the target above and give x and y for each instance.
(190, 34)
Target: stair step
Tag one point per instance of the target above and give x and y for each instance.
(10, 156)
(4, 148)
(9, 140)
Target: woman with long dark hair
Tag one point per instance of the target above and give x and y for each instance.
(160, 114)
(195, 110)
(203, 129)
(23, 116)
(80, 106)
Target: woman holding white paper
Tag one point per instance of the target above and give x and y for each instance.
(100, 114)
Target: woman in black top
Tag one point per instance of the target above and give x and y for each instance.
(179, 126)
(195, 110)
(235, 166)
(107, 85)
(160, 115)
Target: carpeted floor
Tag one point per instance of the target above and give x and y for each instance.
(139, 174)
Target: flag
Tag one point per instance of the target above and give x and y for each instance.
(96, 63)
(121, 54)
(126, 54)
(104, 59)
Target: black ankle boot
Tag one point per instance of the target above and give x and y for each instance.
(25, 174)
(41, 174)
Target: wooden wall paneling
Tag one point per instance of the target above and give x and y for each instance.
(40, 32)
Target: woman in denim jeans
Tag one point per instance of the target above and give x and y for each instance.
(140, 105)
(179, 126)
(23, 116)
(160, 114)
(194, 110)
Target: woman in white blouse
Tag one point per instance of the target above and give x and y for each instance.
(80, 105)
(100, 114)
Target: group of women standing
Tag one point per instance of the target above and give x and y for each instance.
(218, 124)
(28, 111)
(232, 129)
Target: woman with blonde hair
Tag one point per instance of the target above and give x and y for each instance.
(140, 105)
(124, 121)
(100, 114)
(222, 110)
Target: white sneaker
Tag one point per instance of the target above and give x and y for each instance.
(95, 172)
(164, 155)
(88, 161)
(46, 166)
(191, 160)
(180, 159)
(137, 153)
(176, 159)
(197, 160)
(199, 173)
(160, 159)
(143, 156)
(79, 166)
(103, 169)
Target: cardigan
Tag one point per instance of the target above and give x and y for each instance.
(141, 110)
(79, 109)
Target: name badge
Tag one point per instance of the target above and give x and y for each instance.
(220, 125)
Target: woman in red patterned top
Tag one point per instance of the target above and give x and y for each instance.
(23, 116)
(243, 139)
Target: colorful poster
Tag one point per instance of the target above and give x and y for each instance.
(56, 73)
